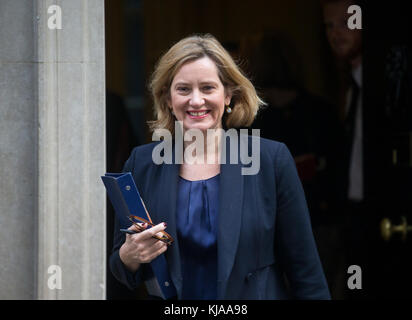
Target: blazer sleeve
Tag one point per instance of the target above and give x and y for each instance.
(295, 243)
(118, 269)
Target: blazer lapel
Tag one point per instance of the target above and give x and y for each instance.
(165, 190)
(229, 221)
(169, 185)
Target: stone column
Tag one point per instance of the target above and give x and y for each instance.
(71, 150)
(61, 90)
(17, 151)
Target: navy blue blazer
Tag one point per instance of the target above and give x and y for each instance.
(266, 248)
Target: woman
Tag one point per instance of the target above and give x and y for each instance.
(236, 236)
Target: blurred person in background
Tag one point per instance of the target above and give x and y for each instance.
(308, 125)
(346, 46)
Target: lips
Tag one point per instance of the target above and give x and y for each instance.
(197, 114)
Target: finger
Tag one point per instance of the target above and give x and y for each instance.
(147, 254)
(160, 234)
(134, 228)
(158, 252)
(143, 243)
(155, 246)
(138, 228)
(152, 231)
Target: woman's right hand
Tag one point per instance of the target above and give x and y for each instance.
(141, 247)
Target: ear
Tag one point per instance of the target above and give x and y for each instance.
(228, 98)
(166, 95)
(169, 105)
(169, 102)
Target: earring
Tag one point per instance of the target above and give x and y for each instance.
(228, 109)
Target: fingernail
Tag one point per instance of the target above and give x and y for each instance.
(165, 224)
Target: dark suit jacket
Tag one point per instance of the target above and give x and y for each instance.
(264, 231)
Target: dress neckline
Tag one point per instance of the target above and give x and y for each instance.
(200, 179)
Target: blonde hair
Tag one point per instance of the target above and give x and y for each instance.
(245, 102)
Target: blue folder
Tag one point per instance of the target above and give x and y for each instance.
(126, 201)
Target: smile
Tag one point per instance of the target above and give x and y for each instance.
(198, 114)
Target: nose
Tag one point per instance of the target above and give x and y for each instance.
(196, 99)
(335, 29)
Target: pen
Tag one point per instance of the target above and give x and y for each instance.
(128, 231)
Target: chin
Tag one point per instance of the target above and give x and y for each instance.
(342, 54)
(196, 126)
(201, 126)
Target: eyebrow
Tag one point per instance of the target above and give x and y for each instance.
(180, 83)
(209, 82)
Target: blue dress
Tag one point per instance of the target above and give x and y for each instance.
(197, 213)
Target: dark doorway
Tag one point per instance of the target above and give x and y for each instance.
(388, 162)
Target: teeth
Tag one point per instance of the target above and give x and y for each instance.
(196, 114)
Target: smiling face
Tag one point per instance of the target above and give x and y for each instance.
(197, 96)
